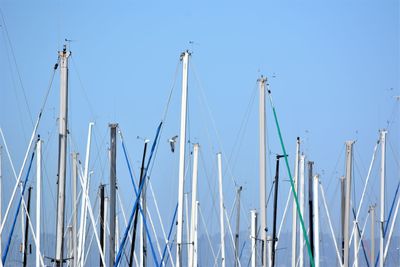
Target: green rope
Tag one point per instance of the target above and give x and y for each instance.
(292, 183)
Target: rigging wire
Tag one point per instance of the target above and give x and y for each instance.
(16, 65)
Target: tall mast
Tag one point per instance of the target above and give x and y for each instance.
(301, 196)
(193, 226)
(262, 169)
(253, 237)
(274, 237)
(294, 211)
(372, 212)
(74, 208)
(342, 211)
(182, 145)
(382, 200)
(102, 225)
(113, 188)
(316, 220)
(38, 197)
(62, 154)
(195, 238)
(221, 210)
(310, 204)
(349, 171)
(355, 264)
(237, 262)
(24, 263)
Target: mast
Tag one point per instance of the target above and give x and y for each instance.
(193, 225)
(342, 211)
(302, 208)
(382, 200)
(24, 262)
(294, 211)
(349, 171)
(372, 212)
(195, 238)
(74, 208)
(237, 263)
(38, 197)
(316, 220)
(102, 226)
(274, 237)
(135, 220)
(355, 264)
(262, 169)
(253, 237)
(182, 145)
(221, 210)
(310, 205)
(113, 188)
(62, 154)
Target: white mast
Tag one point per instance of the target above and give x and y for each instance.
(355, 264)
(38, 197)
(262, 169)
(294, 211)
(316, 220)
(195, 237)
(62, 154)
(74, 208)
(182, 145)
(193, 226)
(382, 219)
(349, 170)
(253, 238)
(221, 210)
(301, 197)
(372, 212)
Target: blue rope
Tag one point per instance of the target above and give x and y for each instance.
(140, 207)
(121, 246)
(169, 235)
(4, 258)
(387, 223)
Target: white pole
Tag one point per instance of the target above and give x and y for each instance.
(195, 234)
(294, 210)
(316, 220)
(253, 238)
(372, 237)
(193, 219)
(301, 196)
(269, 250)
(221, 210)
(262, 169)
(382, 219)
(182, 145)
(74, 208)
(38, 197)
(355, 244)
(349, 170)
(62, 156)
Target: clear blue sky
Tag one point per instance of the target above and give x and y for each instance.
(333, 68)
